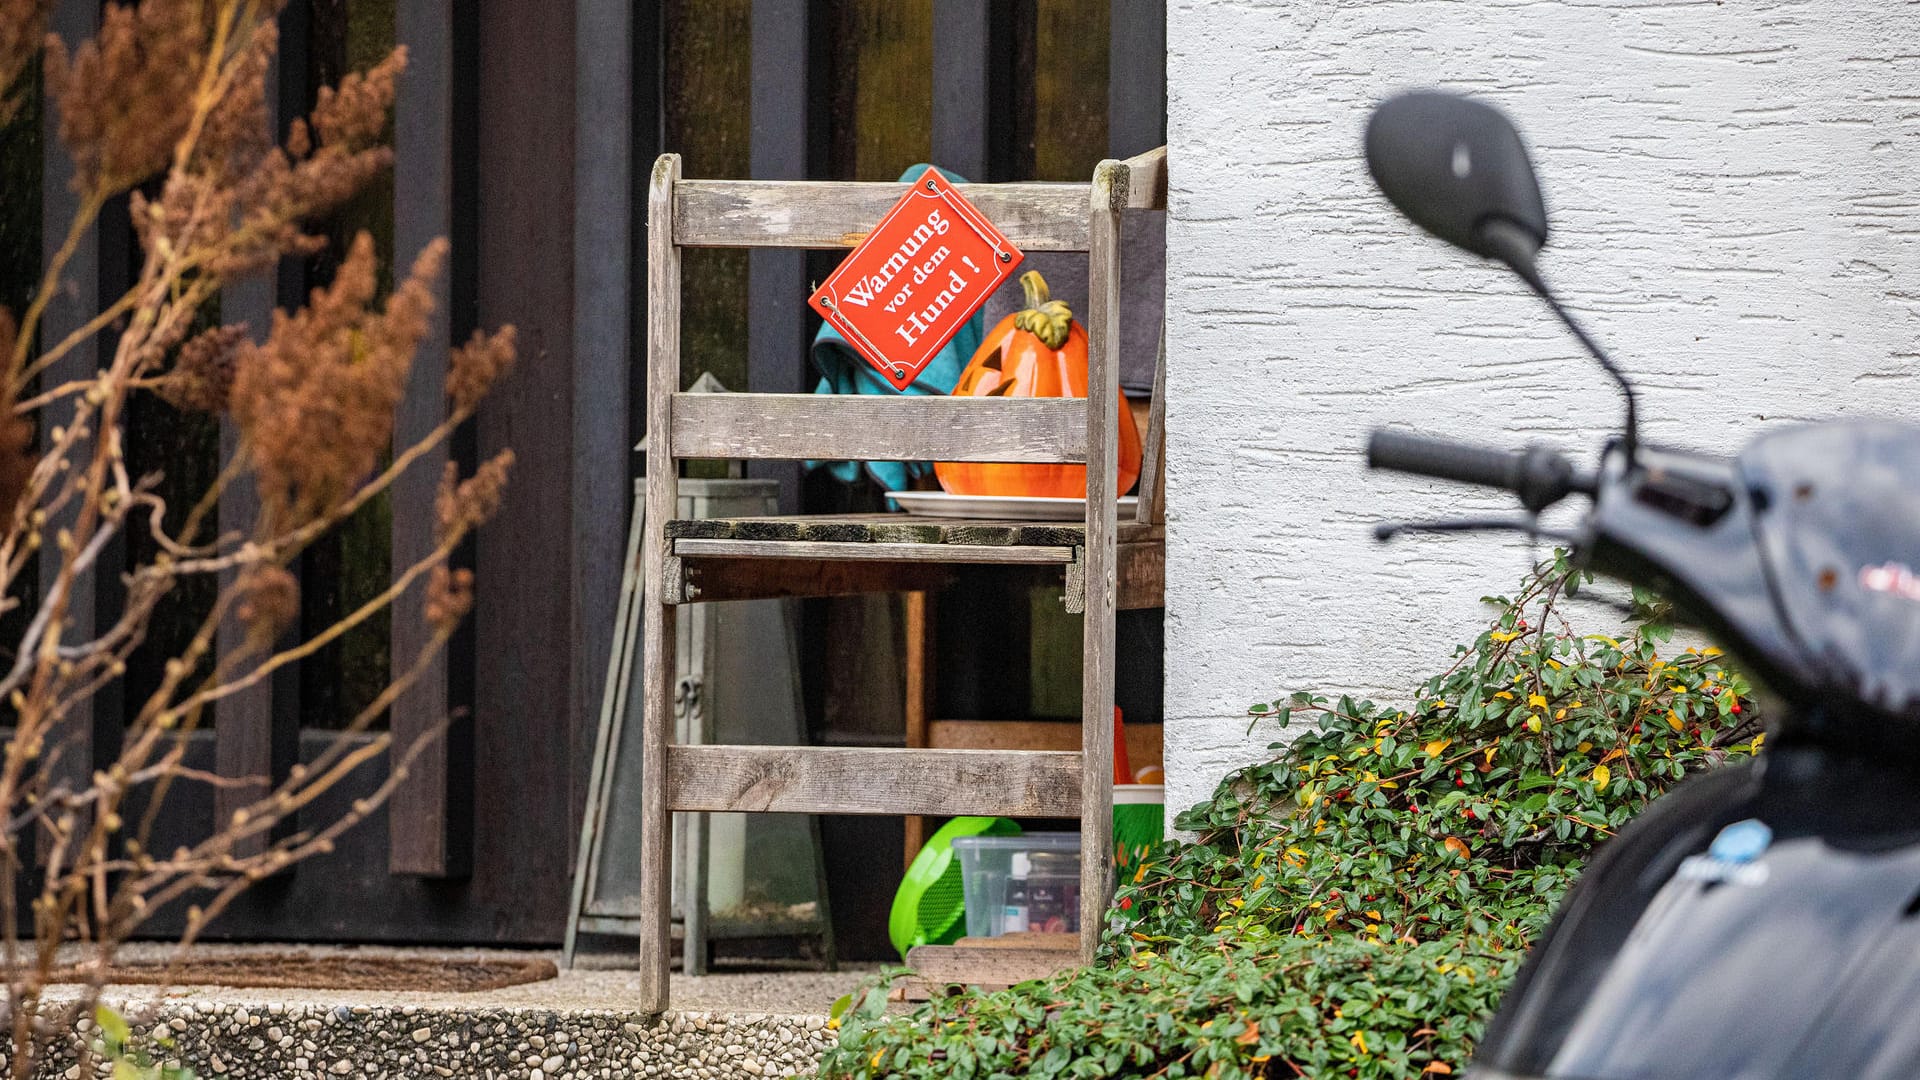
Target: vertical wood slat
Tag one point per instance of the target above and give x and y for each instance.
(1151, 508)
(917, 614)
(257, 731)
(963, 48)
(76, 298)
(657, 633)
(1136, 76)
(777, 279)
(1109, 196)
(428, 820)
(602, 348)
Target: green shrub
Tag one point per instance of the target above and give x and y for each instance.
(1355, 906)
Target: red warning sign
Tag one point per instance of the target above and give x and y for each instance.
(916, 279)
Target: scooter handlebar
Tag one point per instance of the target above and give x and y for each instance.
(1541, 477)
(1445, 459)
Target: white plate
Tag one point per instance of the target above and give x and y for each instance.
(1000, 507)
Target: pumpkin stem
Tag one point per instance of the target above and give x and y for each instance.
(1049, 320)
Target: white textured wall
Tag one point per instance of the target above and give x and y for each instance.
(1735, 193)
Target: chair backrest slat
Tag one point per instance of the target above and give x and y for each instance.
(797, 427)
(834, 214)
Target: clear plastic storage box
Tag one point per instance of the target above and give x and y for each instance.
(1047, 896)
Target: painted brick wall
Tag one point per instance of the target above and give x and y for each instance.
(1735, 189)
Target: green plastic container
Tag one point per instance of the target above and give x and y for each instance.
(932, 898)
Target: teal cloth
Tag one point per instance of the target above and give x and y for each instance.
(844, 371)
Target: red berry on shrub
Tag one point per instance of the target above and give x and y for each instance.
(1736, 709)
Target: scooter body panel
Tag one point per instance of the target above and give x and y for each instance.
(1760, 922)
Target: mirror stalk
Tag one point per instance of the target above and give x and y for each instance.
(1515, 247)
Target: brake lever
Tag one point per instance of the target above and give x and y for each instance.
(1530, 525)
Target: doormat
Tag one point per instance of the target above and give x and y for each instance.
(304, 971)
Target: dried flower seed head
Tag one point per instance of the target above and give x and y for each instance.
(202, 375)
(462, 506)
(16, 437)
(237, 133)
(473, 368)
(316, 400)
(22, 23)
(353, 115)
(127, 97)
(269, 602)
(449, 597)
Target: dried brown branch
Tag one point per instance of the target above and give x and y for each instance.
(167, 105)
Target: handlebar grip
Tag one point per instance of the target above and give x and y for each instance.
(1446, 459)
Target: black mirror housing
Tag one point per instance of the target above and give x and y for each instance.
(1454, 166)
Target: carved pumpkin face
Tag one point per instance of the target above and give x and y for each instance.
(1038, 352)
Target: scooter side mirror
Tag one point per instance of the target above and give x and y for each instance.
(1457, 167)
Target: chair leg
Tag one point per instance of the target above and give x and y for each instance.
(656, 822)
(918, 609)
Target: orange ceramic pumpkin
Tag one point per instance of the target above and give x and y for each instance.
(1038, 352)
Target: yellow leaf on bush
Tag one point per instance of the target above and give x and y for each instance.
(1674, 721)
(1602, 774)
(1459, 847)
(1614, 753)
(1439, 1068)
(1249, 1036)
(1536, 701)
(1506, 694)
(1436, 747)
(1584, 747)
(1533, 724)
(1359, 1041)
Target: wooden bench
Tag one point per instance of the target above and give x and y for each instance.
(1105, 563)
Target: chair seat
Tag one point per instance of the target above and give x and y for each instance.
(905, 529)
(889, 542)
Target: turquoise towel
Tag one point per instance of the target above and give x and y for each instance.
(843, 371)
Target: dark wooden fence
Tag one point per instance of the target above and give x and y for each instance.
(523, 132)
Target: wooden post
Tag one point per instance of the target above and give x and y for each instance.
(1136, 76)
(603, 301)
(777, 286)
(429, 819)
(91, 726)
(977, 82)
(657, 630)
(917, 613)
(257, 731)
(1109, 196)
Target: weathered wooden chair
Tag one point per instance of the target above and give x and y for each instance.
(692, 561)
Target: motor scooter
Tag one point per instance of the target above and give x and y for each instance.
(1760, 921)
